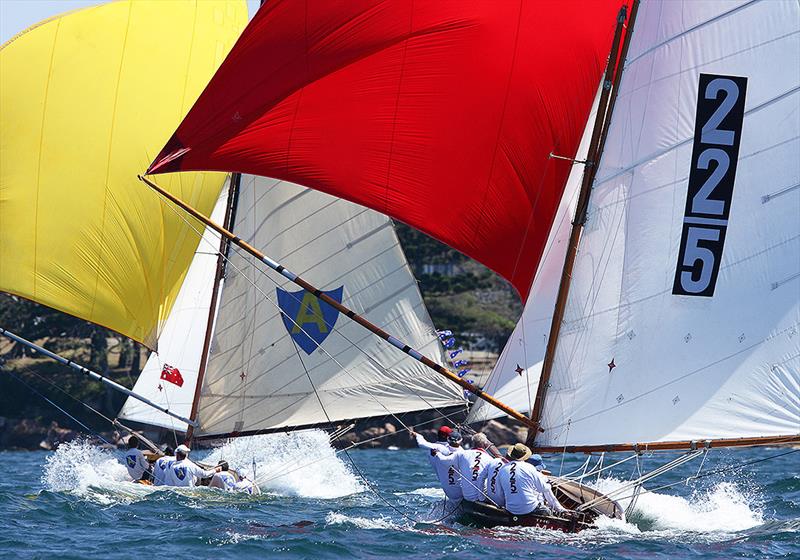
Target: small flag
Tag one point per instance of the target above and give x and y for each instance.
(460, 363)
(455, 353)
(171, 374)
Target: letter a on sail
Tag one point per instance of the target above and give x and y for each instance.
(308, 320)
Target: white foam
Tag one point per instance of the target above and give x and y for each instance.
(81, 468)
(295, 464)
(336, 518)
(723, 508)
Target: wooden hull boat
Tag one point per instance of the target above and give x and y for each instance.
(480, 514)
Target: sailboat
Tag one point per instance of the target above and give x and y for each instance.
(674, 321)
(279, 360)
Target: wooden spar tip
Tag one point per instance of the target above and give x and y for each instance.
(672, 445)
(341, 308)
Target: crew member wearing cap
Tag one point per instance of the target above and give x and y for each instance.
(536, 461)
(186, 473)
(442, 460)
(524, 488)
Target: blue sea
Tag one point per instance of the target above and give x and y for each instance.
(75, 503)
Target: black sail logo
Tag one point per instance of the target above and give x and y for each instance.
(717, 134)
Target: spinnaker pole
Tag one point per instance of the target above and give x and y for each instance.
(279, 268)
(94, 375)
(604, 109)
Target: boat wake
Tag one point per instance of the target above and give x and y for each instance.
(292, 464)
(85, 470)
(301, 464)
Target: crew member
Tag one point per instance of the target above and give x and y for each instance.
(524, 488)
(223, 479)
(162, 466)
(186, 473)
(471, 465)
(138, 467)
(440, 456)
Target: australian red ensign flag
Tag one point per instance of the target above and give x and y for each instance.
(171, 374)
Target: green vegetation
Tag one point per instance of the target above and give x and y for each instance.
(473, 302)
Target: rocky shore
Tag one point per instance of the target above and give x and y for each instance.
(28, 434)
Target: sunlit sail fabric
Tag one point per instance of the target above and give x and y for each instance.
(86, 99)
(636, 361)
(277, 352)
(180, 345)
(515, 377)
(440, 114)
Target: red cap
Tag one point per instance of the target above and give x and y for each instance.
(445, 431)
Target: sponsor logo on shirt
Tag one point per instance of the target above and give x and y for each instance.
(477, 466)
(451, 476)
(131, 460)
(180, 472)
(512, 479)
(493, 481)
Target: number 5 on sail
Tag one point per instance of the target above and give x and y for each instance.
(717, 134)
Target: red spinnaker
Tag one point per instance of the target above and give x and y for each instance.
(441, 114)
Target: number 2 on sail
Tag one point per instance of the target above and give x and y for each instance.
(715, 153)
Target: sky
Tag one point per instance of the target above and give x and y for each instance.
(17, 15)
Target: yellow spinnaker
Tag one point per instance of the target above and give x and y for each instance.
(86, 101)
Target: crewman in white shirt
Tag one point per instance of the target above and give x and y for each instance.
(525, 489)
(162, 466)
(138, 466)
(184, 472)
(223, 479)
(440, 457)
(471, 465)
(489, 478)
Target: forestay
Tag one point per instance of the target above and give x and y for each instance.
(515, 377)
(306, 365)
(80, 118)
(655, 345)
(180, 345)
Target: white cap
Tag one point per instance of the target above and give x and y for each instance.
(182, 449)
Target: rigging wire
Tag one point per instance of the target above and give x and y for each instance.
(274, 304)
(70, 416)
(738, 466)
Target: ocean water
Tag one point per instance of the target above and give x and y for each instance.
(75, 503)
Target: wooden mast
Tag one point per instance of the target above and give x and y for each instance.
(224, 247)
(353, 316)
(604, 109)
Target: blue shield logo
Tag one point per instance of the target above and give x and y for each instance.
(180, 472)
(308, 319)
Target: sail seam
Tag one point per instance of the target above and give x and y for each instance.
(655, 155)
(629, 400)
(694, 28)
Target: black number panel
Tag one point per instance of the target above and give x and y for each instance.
(715, 153)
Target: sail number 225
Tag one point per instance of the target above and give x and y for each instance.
(717, 134)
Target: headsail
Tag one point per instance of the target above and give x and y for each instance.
(412, 109)
(277, 353)
(79, 118)
(180, 345)
(515, 377)
(640, 358)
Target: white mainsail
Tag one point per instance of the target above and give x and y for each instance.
(515, 377)
(269, 370)
(635, 361)
(181, 342)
